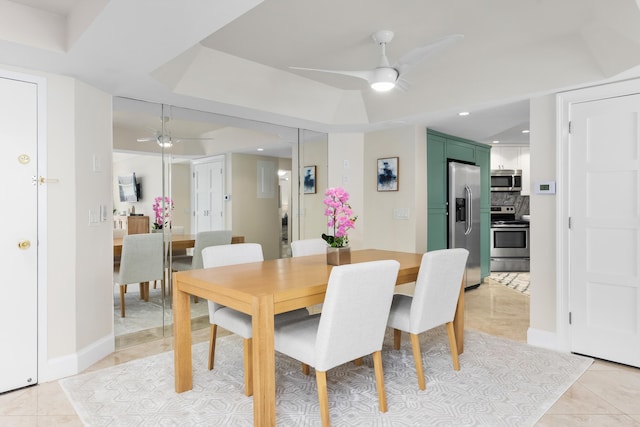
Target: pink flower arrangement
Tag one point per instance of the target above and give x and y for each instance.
(162, 207)
(340, 216)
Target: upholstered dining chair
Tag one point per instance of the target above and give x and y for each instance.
(351, 325)
(433, 303)
(308, 247)
(141, 261)
(203, 239)
(233, 320)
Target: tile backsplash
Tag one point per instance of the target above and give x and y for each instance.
(511, 198)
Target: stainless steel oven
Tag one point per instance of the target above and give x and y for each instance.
(510, 244)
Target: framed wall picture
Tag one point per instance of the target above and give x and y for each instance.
(309, 181)
(388, 174)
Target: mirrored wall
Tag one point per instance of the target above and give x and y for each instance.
(190, 171)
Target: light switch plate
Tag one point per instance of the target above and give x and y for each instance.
(401, 213)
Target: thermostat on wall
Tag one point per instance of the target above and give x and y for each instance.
(545, 187)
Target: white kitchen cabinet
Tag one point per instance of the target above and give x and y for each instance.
(513, 157)
(505, 157)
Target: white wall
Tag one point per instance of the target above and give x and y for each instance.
(345, 153)
(94, 293)
(312, 220)
(148, 170)
(543, 211)
(383, 231)
(257, 219)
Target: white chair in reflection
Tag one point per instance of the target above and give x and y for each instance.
(433, 303)
(352, 325)
(232, 320)
(203, 239)
(142, 261)
(308, 247)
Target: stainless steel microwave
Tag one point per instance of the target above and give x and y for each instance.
(506, 180)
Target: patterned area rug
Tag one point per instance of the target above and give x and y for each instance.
(501, 383)
(141, 315)
(518, 281)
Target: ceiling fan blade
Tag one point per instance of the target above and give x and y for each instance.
(147, 139)
(365, 75)
(419, 54)
(402, 85)
(178, 139)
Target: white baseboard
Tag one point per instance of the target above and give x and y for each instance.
(543, 339)
(72, 364)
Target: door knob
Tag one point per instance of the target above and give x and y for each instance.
(24, 244)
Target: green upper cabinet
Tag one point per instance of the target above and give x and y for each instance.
(440, 149)
(436, 167)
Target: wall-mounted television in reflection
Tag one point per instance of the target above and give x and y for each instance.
(129, 188)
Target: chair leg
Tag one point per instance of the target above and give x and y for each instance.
(397, 335)
(417, 357)
(195, 299)
(248, 367)
(453, 346)
(212, 345)
(305, 369)
(323, 397)
(358, 361)
(377, 365)
(122, 291)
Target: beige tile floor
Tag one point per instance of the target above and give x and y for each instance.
(607, 394)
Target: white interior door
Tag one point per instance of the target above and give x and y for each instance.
(19, 243)
(604, 237)
(208, 187)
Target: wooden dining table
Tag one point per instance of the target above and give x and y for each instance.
(262, 290)
(178, 242)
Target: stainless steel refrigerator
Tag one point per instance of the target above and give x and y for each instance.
(464, 216)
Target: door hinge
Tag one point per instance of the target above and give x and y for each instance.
(569, 126)
(569, 223)
(569, 317)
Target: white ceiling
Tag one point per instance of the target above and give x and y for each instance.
(232, 57)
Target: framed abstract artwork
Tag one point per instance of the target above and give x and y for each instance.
(309, 181)
(388, 174)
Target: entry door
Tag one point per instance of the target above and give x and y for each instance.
(19, 243)
(605, 229)
(208, 192)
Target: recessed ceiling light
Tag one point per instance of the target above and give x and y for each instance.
(260, 149)
(525, 131)
(463, 113)
(496, 142)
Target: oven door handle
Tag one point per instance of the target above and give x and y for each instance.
(469, 220)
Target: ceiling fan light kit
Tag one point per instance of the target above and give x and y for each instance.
(164, 141)
(384, 79)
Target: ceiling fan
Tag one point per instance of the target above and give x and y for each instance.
(163, 137)
(385, 76)
(166, 140)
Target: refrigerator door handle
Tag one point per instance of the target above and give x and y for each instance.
(469, 220)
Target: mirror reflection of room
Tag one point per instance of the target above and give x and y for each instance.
(197, 172)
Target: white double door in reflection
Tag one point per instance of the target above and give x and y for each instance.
(208, 189)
